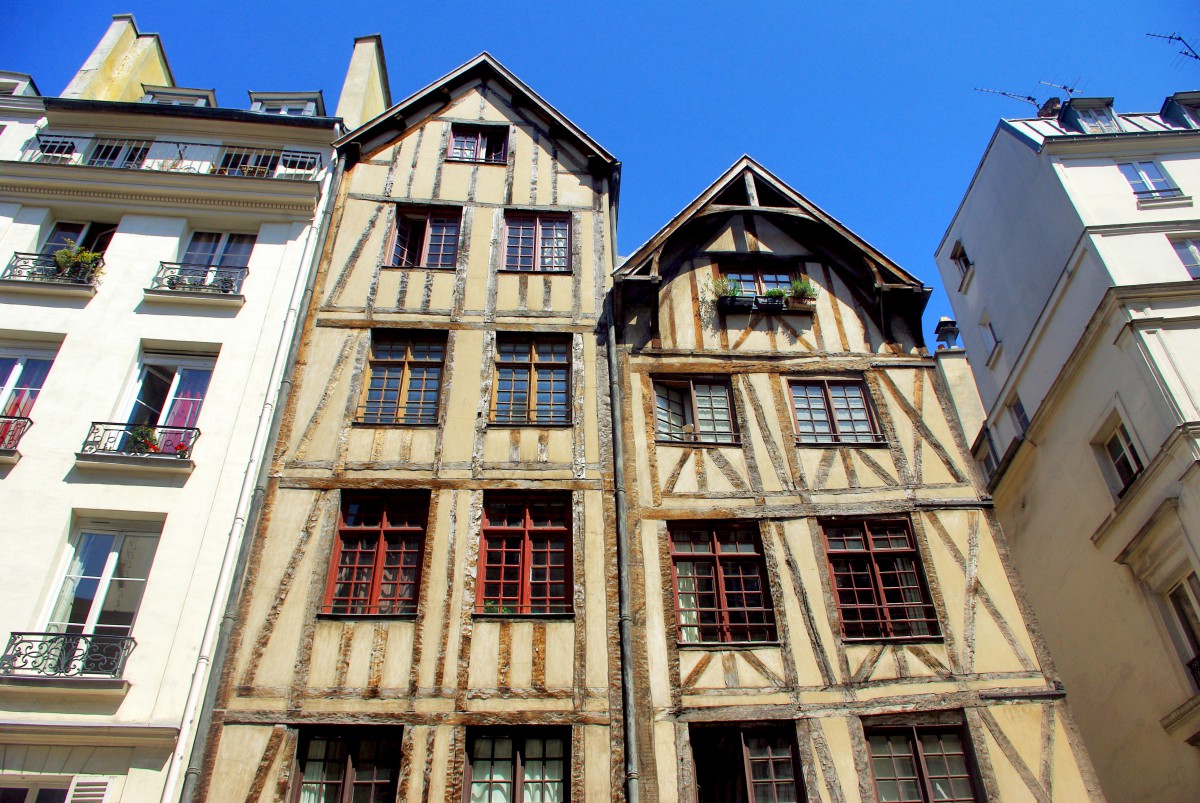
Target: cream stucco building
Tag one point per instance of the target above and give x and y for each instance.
(155, 247)
(1071, 266)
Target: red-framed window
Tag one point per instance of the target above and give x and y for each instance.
(747, 762)
(348, 765)
(878, 580)
(721, 589)
(426, 238)
(376, 564)
(922, 764)
(533, 380)
(539, 243)
(525, 554)
(479, 143)
(405, 378)
(833, 411)
(518, 765)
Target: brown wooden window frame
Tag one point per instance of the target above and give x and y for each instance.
(498, 544)
(758, 270)
(720, 558)
(836, 436)
(521, 736)
(691, 413)
(512, 261)
(409, 537)
(924, 779)
(749, 780)
(403, 249)
(879, 565)
(377, 409)
(352, 766)
(540, 372)
(490, 143)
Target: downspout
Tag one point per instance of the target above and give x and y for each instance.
(625, 604)
(216, 637)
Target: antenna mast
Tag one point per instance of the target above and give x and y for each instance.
(1188, 51)
(1032, 101)
(1070, 90)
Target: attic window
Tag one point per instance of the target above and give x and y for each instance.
(1097, 121)
(7, 88)
(175, 98)
(289, 108)
(958, 255)
(469, 143)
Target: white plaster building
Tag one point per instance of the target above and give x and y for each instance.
(1071, 266)
(138, 383)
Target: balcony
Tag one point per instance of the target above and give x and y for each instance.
(167, 156)
(197, 283)
(42, 273)
(65, 655)
(12, 428)
(138, 448)
(1193, 668)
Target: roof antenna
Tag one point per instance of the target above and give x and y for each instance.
(1070, 90)
(1032, 101)
(1189, 51)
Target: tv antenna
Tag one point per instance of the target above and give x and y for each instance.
(1032, 101)
(1070, 90)
(1188, 51)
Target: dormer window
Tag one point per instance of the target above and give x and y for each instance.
(479, 143)
(288, 104)
(1097, 121)
(178, 96)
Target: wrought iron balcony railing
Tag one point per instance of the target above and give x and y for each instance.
(66, 654)
(166, 156)
(1193, 666)
(198, 278)
(45, 268)
(107, 437)
(11, 430)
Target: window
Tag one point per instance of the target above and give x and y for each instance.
(1188, 250)
(426, 238)
(1097, 121)
(532, 380)
(33, 793)
(406, 377)
(1019, 416)
(988, 333)
(55, 150)
(538, 243)
(126, 154)
(833, 411)
(1185, 602)
(1123, 457)
(184, 98)
(985, 454)
(958, 255)
(349, 765)
(922, 764)
(21, 379)
(879, 584)
(721, 592)
(757, 280)
(90, 236)
(694, 411)
(518, 765)
(757, 763)
(479, 143)
(167, 400)
(214, 260)
(525, 555)
(376, 565)
(1147, 180)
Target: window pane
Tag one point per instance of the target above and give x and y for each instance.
(812, 417)
(674, 412)
(554, 255)
(518, 252)
(443, 243)
(714, 419)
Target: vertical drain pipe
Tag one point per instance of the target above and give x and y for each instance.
(625, 604)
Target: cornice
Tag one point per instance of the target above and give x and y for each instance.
(59, 733)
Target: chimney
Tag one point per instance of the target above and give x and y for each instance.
(365, 92)
(1050, 108)
(947, 333)
(122, 61)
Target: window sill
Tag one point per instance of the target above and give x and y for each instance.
(1184, 722)
(864, 642)
(134, 464)
(82, 686)
(531, 424)
(392, 425)
(442, 268)
(197, 297)
(880, 444)
(727, 645)
(538, 271)
(9, 457)
(1170, 202)
(994, 355)
(406, 616)
(965, 281)
(59, 289)
(490, 615)
(457, 160)
(736, 444)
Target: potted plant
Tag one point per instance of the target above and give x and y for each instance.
(728, 295)
(76, 263)
(802, 293)
(142, 440)
(182, 448)
(772, 300)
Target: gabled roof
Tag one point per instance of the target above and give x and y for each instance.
(484, 66)
(748, 187)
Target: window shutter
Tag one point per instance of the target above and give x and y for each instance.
(89, 789)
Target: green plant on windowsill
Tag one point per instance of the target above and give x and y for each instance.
(77, 263)
(776, 292)
(725, 287)
(492, 606)
(803, 290)
(142, 440)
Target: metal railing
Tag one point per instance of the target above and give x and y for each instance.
(11, 430)
(1193, 666)
(108, 437)
(198, 278)
(66, 654)
(1164, 192)
(167, 156)
(45, 268)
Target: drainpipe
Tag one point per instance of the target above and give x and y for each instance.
(197, 716)
(625, 604)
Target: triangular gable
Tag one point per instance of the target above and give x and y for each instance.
(383, 128)
(749, 187)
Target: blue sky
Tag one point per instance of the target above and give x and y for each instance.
(865, 108)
